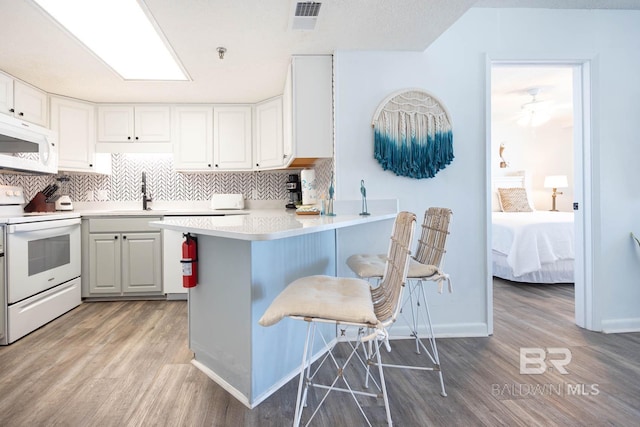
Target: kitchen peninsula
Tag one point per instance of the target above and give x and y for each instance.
(244, 262)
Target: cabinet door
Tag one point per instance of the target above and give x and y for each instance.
(115, 123)
(75, 123)
(269, 143)
(313, 106)
(152, 124)
(141, 262)
(30, 104)
(104, 263)
(232, 138)
(287, 119)
(6, 94)
(192, 138)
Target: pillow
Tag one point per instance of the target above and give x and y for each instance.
(514, 200)
(495, 201)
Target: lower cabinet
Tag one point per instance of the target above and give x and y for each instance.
(124, 257)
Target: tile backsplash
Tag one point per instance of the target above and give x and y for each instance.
(164, 183)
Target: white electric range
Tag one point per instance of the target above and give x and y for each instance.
(39, 265)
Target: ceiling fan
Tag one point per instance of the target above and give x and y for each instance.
(535, 112)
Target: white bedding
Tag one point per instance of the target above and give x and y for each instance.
(532, 239)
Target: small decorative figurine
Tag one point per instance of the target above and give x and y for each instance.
(363, 191)
(329, 211)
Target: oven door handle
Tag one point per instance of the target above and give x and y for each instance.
(42, 225)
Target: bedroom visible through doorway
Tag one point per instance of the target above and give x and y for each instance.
(536, 145)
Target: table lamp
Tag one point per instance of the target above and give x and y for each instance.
(554, 182)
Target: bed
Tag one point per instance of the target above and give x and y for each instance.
(529, 245)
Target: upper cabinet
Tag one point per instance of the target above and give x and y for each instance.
(75, 122)
(232, 138)
(213, 138)
(23, 101)
(149, 124)
(268, 143)
(292, 130)
(192, 138)
(310, 126)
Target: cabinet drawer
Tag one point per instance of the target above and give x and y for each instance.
(121, 225)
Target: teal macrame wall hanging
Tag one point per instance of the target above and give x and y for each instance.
(412, 134)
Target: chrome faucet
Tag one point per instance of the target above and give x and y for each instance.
(145, 199)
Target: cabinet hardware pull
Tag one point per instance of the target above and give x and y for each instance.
(12, 110)
(209, 165)
(21, 113)
(136, 138)
(129, 138)
(124, 237)
(115, 237)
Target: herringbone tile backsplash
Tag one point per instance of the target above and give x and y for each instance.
(164, 183)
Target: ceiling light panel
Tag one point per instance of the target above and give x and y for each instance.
(120, 32)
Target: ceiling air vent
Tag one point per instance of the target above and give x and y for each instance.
(306, 15)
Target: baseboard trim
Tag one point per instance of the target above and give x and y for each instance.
(619, 326)
(457, 330)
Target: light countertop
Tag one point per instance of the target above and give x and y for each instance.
(266, 224)
(158, 212)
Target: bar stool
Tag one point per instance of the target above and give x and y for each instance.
(347, 302)
(425, 266)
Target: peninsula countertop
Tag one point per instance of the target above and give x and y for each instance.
(266, 224)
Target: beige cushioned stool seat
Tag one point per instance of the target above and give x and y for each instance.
(324, 297)
(368, 266)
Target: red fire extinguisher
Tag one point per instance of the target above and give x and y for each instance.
(189, 261)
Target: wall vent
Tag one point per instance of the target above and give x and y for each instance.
(306, 15)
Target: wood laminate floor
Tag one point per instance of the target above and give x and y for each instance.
(127, 364)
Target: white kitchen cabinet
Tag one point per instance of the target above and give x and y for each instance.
(75, 122)
(141, 262)
(287, 120)
(171, 266)
(310, 82)
(192, 131)
(232, 143)
(124, 257)
(268, 140)
(22, 101)
(148, 124)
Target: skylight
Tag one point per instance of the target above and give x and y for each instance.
(120, 32)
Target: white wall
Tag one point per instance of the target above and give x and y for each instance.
(454, 69)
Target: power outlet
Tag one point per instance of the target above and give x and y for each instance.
(103, 195)
(90, 196)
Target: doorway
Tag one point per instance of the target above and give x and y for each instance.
(538, 126)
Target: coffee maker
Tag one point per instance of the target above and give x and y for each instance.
(295, 191)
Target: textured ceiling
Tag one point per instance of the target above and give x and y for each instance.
(256, 33)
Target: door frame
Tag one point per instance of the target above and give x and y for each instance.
(582, 154)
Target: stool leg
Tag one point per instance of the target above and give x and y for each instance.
(301, 398)
(383, 384)
(432, 340)
(415, 312)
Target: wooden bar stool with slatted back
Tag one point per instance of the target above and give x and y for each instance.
(349, 304)
(424, 266)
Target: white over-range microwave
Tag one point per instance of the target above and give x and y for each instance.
(25, 147)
